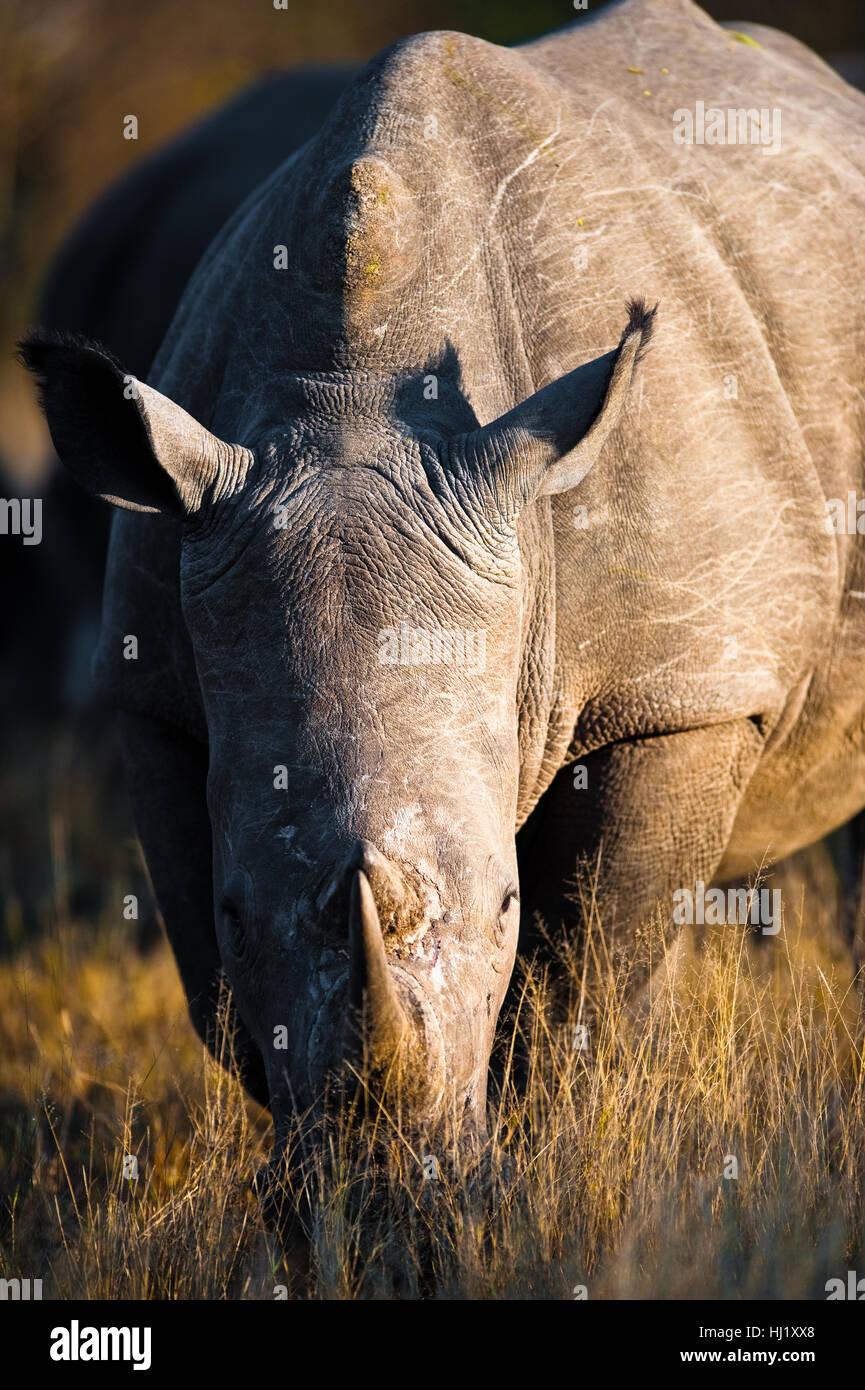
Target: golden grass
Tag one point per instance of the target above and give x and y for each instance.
(606, 1168)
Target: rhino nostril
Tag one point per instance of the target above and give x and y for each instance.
(402, 909)
(385, 880)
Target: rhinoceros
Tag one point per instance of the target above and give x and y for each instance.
(118, 279)
(425, 556)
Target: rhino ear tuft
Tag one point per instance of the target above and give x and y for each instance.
(549, 442)
(640, 320)
(120, 439)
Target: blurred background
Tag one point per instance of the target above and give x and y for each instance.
(72, 69)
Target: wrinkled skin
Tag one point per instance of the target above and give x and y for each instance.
(447, 830)
(696, 645)
(117, 279)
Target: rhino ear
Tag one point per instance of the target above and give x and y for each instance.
(549, 442)
(120, 439)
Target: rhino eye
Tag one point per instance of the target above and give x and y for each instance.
(510, 903)
(237, 911)
(233, 925)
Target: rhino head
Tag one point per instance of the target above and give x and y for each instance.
(352, 585)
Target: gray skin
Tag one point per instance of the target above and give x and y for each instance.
(289, 491)
(118, 279)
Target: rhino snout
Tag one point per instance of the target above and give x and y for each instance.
(392, 1029)
(374, 1023)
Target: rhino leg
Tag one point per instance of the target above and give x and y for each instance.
(167, 776)
(655, 816)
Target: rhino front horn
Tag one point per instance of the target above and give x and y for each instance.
(373, 994)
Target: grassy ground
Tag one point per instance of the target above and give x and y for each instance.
(611, 1159)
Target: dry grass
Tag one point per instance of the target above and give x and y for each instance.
(606, 1169)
